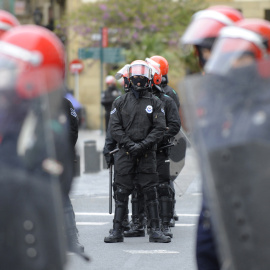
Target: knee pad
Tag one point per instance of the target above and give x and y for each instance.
(164, 190)
(150, 194)
(121, 194)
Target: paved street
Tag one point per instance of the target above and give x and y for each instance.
(90, 201)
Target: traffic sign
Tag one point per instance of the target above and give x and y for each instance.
(76, 66)
(110, 55)
(92, 52)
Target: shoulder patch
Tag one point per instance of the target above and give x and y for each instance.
(73, 112)
(117, 97)
(166, 95)
(173, 91)
(113, 111)
(156, 97)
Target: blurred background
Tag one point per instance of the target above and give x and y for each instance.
(102, 36)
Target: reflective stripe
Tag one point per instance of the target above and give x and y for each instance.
(237, 32)
(5, 26)
(212, 14)
(34, 58)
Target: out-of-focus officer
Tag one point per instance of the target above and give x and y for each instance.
(201, 33)
(108, 96)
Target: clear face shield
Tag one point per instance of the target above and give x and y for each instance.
(235, 48)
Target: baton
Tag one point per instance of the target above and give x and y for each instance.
(166, 146)
(110, 180)
(110, 189)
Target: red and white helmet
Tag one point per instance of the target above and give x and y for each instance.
(246, 42)
(38, 58)
(156, 73)
(110, 80)
(207, 23)
(7, 21)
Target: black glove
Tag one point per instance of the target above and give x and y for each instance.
(109, 159)
(136, 149)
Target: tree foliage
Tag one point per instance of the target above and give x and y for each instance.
(142, 27)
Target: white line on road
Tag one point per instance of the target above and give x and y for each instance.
(107, 214)
(92, 223)
(196, 194)
(184, 225)
(151, 251)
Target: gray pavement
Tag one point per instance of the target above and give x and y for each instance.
(90, 201)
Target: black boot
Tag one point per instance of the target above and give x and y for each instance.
(155, 234)
(116, 235)
(166, 214)
(137, 230)
(167, 230)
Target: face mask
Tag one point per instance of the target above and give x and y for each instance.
(144, 83)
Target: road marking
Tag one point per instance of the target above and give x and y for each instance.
(92, 223)
(184, 225)
(107, 214)
(151, 251)
(196, 194)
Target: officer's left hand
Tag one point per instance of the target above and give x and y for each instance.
(136, 149)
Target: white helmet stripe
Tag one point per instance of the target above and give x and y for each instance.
(237, 32)
(5, 26)
(212, 14)
(34, 58)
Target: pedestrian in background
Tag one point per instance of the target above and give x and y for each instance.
(108, 96)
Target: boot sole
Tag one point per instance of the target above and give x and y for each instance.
(113, 240)
(160, 241)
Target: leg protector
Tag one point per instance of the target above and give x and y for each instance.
(165, 202)
(121, 201)
(151, 199)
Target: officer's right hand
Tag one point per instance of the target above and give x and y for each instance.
(109, 160)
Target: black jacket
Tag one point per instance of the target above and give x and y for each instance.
(173, 121)
(108, 97)
(171, 93)
(137, 120)
(73, 121)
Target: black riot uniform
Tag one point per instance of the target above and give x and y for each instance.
(165, 192)
(73, 128)
(137, 122)
(168, 90)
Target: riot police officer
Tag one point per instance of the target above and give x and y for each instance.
(137, 123)
(201, 33)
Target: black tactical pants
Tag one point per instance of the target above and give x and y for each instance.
(127, 168)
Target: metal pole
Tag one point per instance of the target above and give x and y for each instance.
(101, 78)
(76, 85)
(11, 6)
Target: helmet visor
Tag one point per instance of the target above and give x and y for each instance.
(122, 72)
(140, 70)
(231, 53)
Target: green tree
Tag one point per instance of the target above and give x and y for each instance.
(142, 27)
